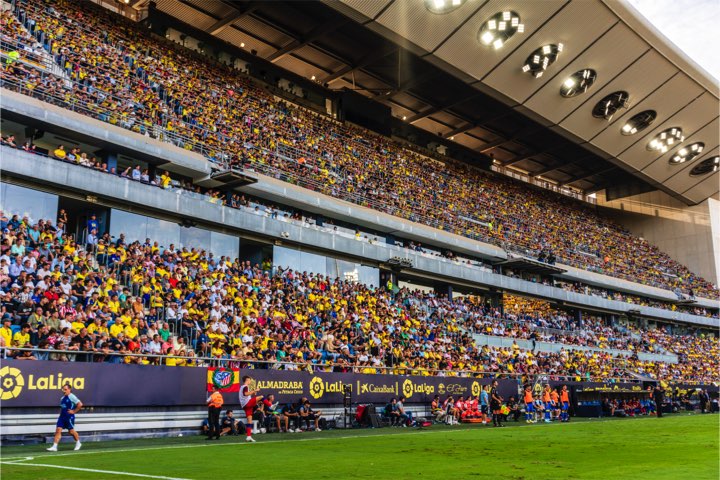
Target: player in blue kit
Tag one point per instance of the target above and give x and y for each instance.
(69, 406)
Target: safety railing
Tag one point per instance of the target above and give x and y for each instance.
(285, 174)
(121, 119)
(14, 50)
(104, 260)
(24, 11)
(91, 356)
(223, 157)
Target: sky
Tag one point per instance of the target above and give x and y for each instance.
(692, 25)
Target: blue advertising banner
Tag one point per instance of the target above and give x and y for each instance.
(37, 384)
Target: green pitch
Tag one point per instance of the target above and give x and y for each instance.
(676, 447)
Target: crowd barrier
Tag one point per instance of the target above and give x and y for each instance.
(37, 384)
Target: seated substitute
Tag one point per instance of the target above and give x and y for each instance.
(437, 411)
(229, 424)
(309, 415)
(292, 418)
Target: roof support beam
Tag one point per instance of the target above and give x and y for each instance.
(558, 166)
(583, 176)
(425, 113)
(519, 159)
(550, 168)
(223, 23)
(515, 136)
(315, 34)
(382, 97)
(438, 108)
(362, 63)
(459, 130)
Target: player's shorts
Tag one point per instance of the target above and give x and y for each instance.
(529, 407)
(66, 422)
(484, 409)
(549, 406)
(565, 405)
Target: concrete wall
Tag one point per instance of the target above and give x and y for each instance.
(506, 342)
(34, 112)
(685, 233)
(141, 198)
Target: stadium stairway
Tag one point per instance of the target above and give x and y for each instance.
(43, 58)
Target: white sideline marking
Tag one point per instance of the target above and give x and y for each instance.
(92, 470)
(16, 459)
(290, 438)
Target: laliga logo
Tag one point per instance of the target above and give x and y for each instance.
(407, 388)
(475, 389)
(12, 383)
(441, 389)
(317, 388)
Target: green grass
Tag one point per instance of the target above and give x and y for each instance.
(676, 447)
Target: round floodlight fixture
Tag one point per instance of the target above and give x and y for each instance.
(610, 104)
(579, 82)
(665, 140)
(688, 153)
(442, 7)
(541, 59)
(499, 28)
(639, 122)
(710, 165)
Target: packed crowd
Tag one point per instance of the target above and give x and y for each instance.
(125, 76)
(524, 318)
(17, 43)
(261, 207)
(634, 299)
(150, 304)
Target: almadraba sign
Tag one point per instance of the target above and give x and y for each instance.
(37, 384)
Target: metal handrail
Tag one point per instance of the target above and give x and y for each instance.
(205, 361)
(210, 199)
(91, 110)
(213, 154)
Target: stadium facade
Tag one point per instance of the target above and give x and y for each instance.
(548, 146)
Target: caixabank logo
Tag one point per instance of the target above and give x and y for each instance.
(12, 383)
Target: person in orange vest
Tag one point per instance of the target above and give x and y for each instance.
(215, 403)
(555, 400)
(565, 404)
(529, 404)
(547, 403)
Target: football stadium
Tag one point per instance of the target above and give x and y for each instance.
(387, 239)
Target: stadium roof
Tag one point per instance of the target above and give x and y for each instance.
(434, 70)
